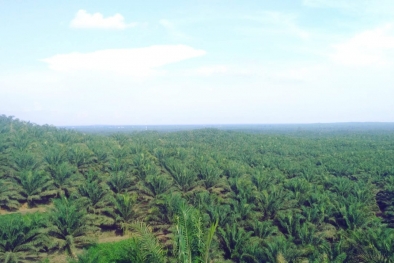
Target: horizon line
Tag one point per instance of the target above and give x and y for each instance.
(231, 124)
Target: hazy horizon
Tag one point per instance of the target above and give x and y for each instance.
(228, 124)
(198, 62)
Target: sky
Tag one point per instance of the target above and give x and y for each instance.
(197, 62)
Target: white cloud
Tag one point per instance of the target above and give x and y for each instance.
(369, 48)
(138, 62)
(85, 20)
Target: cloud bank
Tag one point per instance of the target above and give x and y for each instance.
(368, 48)
(138, 62)
(97, 21)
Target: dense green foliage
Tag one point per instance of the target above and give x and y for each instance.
(207, 195)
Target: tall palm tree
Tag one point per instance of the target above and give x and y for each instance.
(150, 248)
(192, 240)
(70, 225)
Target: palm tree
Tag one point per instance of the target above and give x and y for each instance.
(243, 188)
(118, 165)
(80, 157)
(192, 240)
(160, 154)
(312, 242)
(221, 213)
(100, 152)
(70, 226)
(290, 223)
(155, 185)
(121, 138)
(96, 198)
(234, 241)
(170, 207)
(120, 182)
(300, 189)
(211, 176)
(54, 156)
(149, 247)
(262, 180)
(9, 195)
(21, 141)
(34, 186)
(142, 247)
(21, 238)
(375, 245)
(242, 209)
(5, 154)
(63, 178)
(22, 160)
(336, 254)
(354, 215)
(264, 229)
(63, 136)
(123, 211)
(280, 248)
(184, 179)
(273, 201)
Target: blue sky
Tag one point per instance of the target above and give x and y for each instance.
(197, 62)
